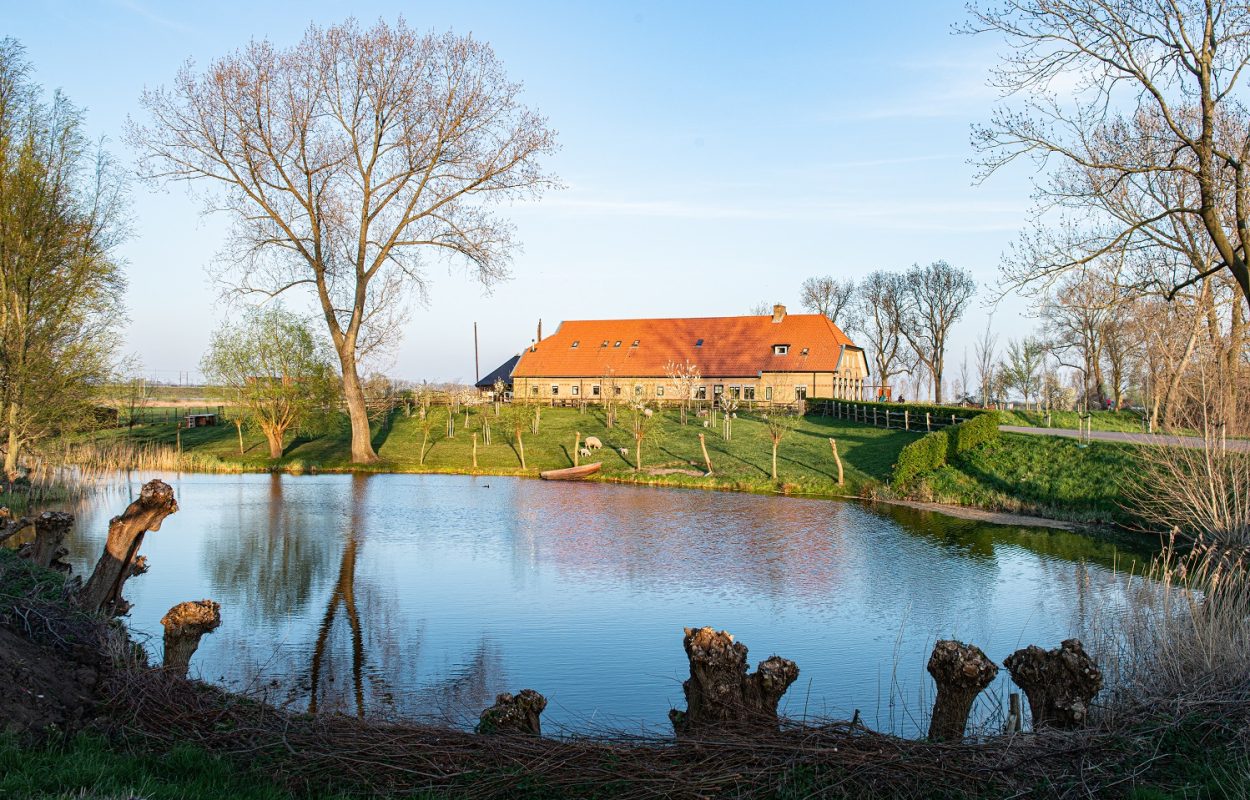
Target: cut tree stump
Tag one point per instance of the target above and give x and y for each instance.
(1059, 683)
(720, 693)
(103, 589)
(184, 624)
(48, 549)
(960, 671)
(517, 713)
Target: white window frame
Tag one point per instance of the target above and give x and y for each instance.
(748, 392)
(781, 349)
(575, 390)
(594, 390)
(800, 391)
(555, 390)
(659, 391)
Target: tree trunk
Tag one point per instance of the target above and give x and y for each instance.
(514, 714)
(720, 693)
(103, 589)
(960, 671)
(274, 437)
(357, 411)
(238, 426)
(1059, 683)
(15, 445)
(775, 459)
(184, 624)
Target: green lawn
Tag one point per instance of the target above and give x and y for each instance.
(805, 462)
(1049, 476)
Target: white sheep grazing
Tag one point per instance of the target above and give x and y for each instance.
(593, 443)
(585, 453)
(646, 412)
(624, 452)
(707, 424)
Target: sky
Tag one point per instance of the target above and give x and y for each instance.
(713, 155)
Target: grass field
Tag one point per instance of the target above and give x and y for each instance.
(805, 461)
(1120, 421)
(1043, 475)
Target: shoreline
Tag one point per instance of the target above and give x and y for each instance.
(662, 481)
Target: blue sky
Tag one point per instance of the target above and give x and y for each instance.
(714, 155)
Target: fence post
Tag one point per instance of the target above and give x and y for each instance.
(952, 419)
(906, 420)
(874, 415)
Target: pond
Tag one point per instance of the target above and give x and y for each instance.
(422, 596)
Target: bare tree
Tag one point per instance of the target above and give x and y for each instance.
(1153, 135)
(935, 298)
(780, 422)
(344, 159)
(828, 296)
(685, 379)
(986, 359)
(879, 304)
(761, 310)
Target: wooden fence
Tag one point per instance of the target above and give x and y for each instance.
(882, 416)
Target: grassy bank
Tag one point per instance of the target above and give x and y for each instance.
(1043, 475)
(672, 456)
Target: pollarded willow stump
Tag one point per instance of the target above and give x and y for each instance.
(184, 625)
(1059, 683)
(48, 549)
(961, 671)
(720, 693)
(103, 589)
(514, 714)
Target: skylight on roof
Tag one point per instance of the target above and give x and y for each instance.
(618, 343)
(576, 342)
(699, 343)
(635, 344)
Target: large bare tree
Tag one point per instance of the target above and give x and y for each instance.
(934, 299)
(878, 315)
(344, 161)
(1137, 108)
(827, 295)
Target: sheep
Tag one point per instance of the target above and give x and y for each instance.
(584, 452)
(646, 412)
(593, 443)
(707, 423)
(624, 452)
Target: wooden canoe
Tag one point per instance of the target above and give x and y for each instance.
(571, 473)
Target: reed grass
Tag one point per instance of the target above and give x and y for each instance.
(97, 457)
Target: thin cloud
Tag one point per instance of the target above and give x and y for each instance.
(135, 7)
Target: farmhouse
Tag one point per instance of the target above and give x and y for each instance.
(770, 359)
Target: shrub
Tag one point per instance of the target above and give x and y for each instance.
(923, 455)
(973, 433)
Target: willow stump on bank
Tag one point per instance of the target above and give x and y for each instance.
(51, 528)
(184, 625)
(720, 693)
(103, 589)
(517, 713)
(961, 671)
(1059, 683)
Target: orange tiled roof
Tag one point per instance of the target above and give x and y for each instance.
(732, 346)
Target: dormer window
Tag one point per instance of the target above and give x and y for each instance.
(699, 343)
(781, 349)
(576, 342)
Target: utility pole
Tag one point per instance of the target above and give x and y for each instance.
(477, 368)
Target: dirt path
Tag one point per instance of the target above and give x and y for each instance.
(1241, 445)
(993, 517)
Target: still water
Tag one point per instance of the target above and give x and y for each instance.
(424, 595)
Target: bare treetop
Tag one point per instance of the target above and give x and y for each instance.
(828, 296)
(1136, 107)
(346, 159)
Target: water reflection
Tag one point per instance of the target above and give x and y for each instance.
(426, 595)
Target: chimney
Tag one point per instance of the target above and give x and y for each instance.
(540, 331)
(779, 312)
